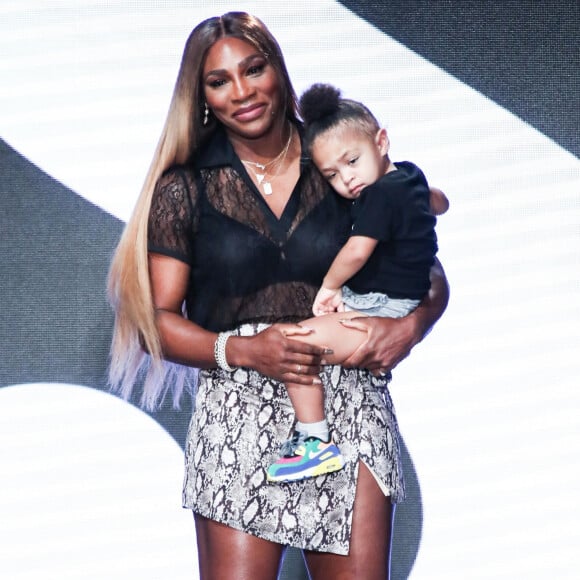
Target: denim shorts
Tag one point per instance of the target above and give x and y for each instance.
(378, 304)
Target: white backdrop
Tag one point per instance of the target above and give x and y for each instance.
(488, 404)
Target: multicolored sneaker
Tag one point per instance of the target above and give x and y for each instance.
(302, 457)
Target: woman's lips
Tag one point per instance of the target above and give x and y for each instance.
(249, 113)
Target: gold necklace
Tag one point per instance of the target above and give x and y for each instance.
(266, 184)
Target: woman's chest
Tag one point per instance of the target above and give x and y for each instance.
(239, 235)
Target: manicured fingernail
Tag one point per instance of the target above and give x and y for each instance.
(327, 351)
(316, 381)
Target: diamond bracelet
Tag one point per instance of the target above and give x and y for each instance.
(219, 351)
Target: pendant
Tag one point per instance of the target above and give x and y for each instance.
(267, 188)
(260, 166)
(260, 178)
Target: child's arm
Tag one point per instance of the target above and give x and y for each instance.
(351, 258)
(438, 201)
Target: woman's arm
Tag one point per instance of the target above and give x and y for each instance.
(270, 352)
(390, 340)
(182, 341)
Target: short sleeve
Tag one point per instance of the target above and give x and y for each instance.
(170, 227)
(373, 214)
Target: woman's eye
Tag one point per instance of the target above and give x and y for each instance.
(330, 177)
(256, 69)
(353, 161)
(216, 83)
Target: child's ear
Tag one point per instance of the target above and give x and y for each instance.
(382, 141)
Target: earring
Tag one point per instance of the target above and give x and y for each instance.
(205, 115)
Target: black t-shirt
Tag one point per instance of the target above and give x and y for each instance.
(246, 264)
(395, 211)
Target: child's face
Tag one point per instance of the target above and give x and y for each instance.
(349, 159)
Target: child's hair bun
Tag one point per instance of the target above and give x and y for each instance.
(319, 101)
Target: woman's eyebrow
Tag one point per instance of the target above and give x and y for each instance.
(244, 62)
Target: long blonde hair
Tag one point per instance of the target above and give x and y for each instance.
(136, 350)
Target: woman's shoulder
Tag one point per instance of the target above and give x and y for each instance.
(175, 188)
(177, 179)
(177, 173)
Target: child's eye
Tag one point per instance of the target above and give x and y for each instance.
(353, 161)
(330, 176)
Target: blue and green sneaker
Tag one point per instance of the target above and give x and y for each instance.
(302, 457)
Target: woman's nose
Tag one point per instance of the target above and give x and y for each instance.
(242, 90)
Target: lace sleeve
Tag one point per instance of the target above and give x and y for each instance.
(171, 217)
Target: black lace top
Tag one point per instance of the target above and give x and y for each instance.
(246, 264)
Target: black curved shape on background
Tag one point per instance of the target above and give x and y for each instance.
(56, 249)
(522, 54)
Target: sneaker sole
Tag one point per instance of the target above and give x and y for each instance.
(329, 466)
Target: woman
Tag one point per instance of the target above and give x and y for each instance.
(226, 248)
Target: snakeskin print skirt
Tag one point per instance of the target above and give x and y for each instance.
(239, 422)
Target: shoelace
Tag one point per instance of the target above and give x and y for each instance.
(289, 447)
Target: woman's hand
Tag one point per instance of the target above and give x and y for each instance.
(274, 353)
(389, 341)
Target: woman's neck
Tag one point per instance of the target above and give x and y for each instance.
(265, 148)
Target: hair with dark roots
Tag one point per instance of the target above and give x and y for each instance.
(136, 347)
(323, 109)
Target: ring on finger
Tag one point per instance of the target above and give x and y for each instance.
(299, 370)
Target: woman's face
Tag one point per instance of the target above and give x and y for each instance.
(241, 88)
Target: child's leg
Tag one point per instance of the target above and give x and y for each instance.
(308, 401)
(330, 333)
(311, 451)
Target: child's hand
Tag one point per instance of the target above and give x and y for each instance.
(327, 300)
(438, 201)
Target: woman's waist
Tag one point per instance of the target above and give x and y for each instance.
(289, 303)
